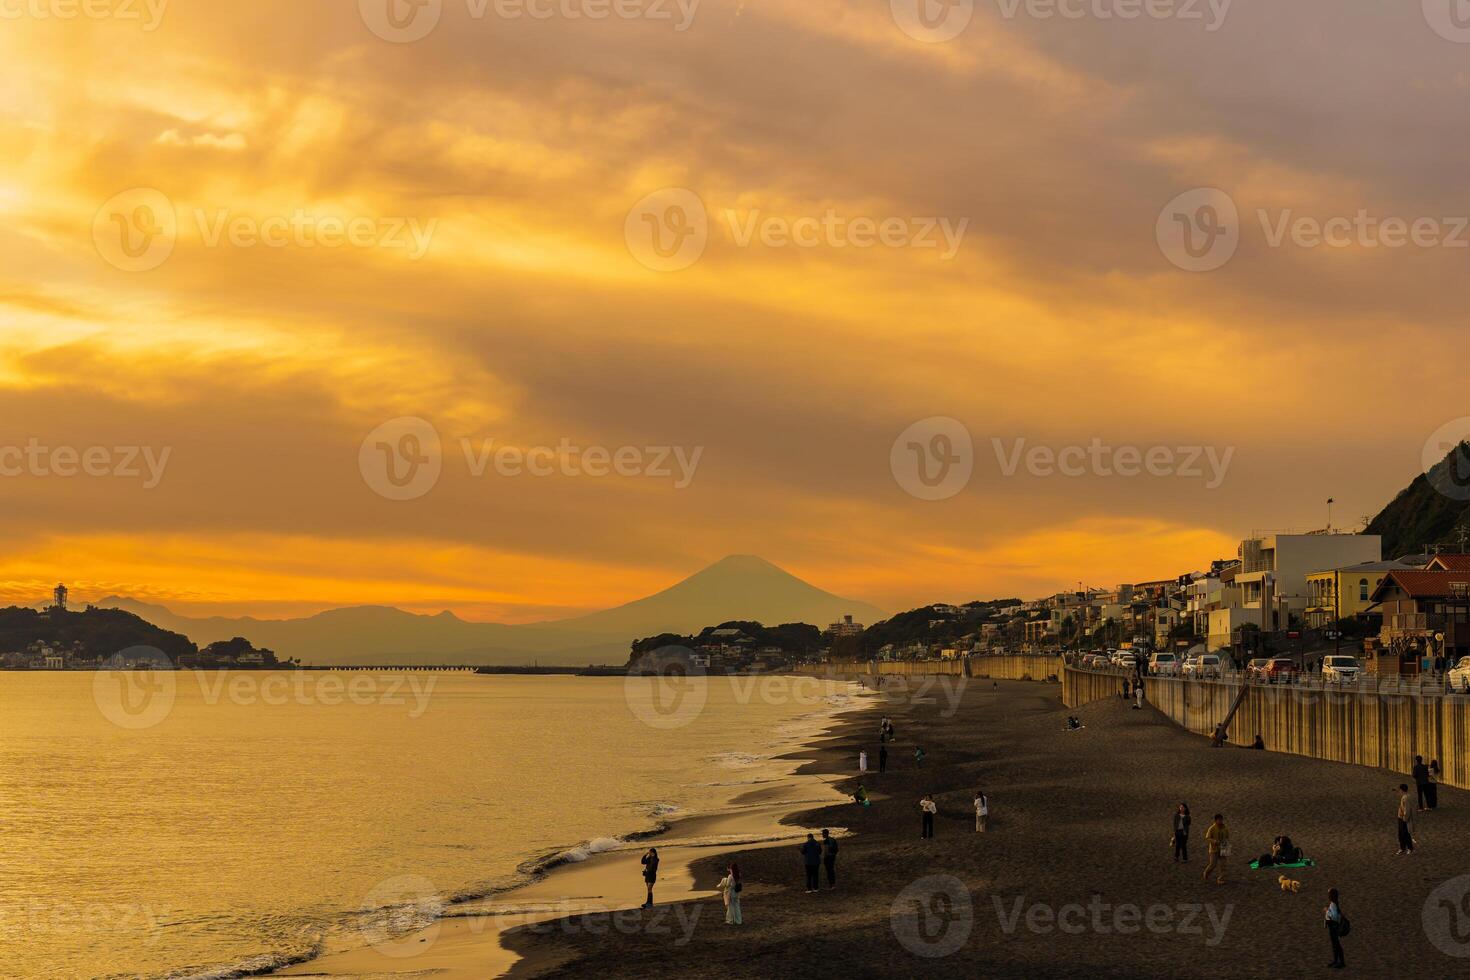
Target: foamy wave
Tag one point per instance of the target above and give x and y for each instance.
(735, 760)
(586, 849)
(251, 966)
(662, 809)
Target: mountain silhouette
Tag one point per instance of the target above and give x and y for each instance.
(1429, 509)
(739, 587)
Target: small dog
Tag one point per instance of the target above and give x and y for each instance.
(1288, 885)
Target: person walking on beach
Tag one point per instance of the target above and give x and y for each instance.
(918, 757)
(1138, 697)
(650, 873)
(1217, 842)
(1406, 821)
(1125, 689)
(829, 857)
(882, 758)
(1435, 775)
(729, 887)
(929, 808)
(1336, 926)
(811, 860)
(863, 761)
(1420, 772)
(1181, 833)
(982, 812)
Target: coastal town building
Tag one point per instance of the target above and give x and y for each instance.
(845, 628)
(1344, 593)
(1274, 569)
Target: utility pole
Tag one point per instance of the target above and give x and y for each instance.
(1329, 513)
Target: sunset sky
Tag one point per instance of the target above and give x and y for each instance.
(519, 150)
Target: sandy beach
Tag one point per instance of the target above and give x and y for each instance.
(1075, 877)
(600, 896)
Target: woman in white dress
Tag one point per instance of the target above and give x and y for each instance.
(729, 887)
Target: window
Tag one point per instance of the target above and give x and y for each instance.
(1362, 590)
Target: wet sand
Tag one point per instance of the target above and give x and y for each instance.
(1075, 877)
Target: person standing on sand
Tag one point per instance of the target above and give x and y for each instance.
(729, 887)
(829, 857)
(1420, 772)
(1125, 689)
(982, 812)
(1217, 842)
(1335, 920)
(882, 758)
(918, 757)
(1181, 833)
(1435, 775)
(930, 808)
(811, 860)
(1406, 821)
(650, 873)
(1138, 697)
(863, 761)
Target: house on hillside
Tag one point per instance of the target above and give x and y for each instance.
(1420, 607)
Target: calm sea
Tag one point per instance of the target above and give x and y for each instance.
(209, 823)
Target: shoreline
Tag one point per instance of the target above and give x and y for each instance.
(488, 936)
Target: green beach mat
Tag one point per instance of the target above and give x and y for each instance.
(1303, 863)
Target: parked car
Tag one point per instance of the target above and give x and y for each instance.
(1124, 659)
(1164, 664)
(1340, 668)
(1459, 676)
(1203, 665)
(1257, 668)
(1281, 670)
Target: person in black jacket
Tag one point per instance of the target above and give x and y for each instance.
(1181, 833)
(883, 758)
(1420, 772)
(811, 859)
(1336, 927)
(650, 873)
(829, 857)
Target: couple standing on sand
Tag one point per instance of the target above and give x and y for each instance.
(929, 808)
(729, 885)
(816, 854)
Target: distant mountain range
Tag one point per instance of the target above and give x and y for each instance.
(741, 587)
(1428, 510)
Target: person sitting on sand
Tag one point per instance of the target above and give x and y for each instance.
(650, 873)
(1259, 744)
(1217, 842)
(861, 796)
(729, 887)
(1073, 723)
(1283, 851)
(1220, 737)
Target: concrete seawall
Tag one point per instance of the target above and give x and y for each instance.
(1378, 728)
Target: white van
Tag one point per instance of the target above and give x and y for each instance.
(1164, 664)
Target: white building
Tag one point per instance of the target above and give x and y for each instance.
(1274, 569)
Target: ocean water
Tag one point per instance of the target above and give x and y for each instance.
(209, 824)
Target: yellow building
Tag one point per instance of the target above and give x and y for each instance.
(1341, 593)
